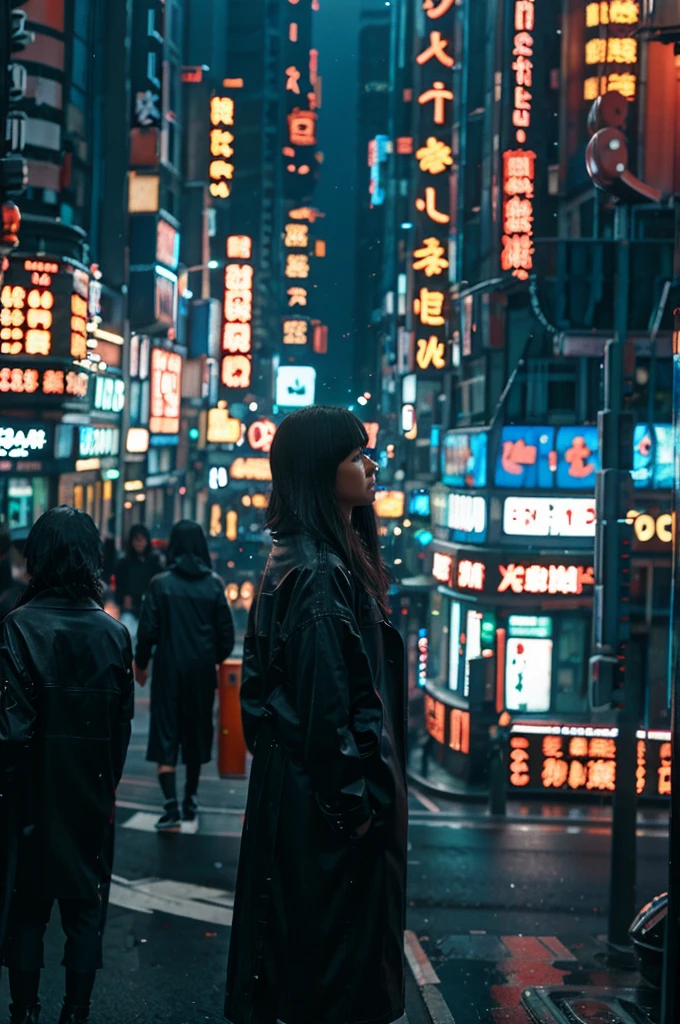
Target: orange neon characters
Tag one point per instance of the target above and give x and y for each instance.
(302, 127)
(437, 10)
(434, 157)
(430, 258)
(436, 50)
(428, 205)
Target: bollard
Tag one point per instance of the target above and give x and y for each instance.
(231, 745)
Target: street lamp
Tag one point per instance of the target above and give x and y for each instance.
(210, 265)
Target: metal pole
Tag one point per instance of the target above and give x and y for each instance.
(615, 456)
(671, 976)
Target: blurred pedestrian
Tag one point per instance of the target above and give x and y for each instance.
(133, 574)
(318, 929)
(186, 618)
(13, 578)
(76, 661)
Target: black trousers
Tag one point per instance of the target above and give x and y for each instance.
(81, 921)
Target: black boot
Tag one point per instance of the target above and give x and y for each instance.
(169, 821)
(23, 987)
(76, 1008)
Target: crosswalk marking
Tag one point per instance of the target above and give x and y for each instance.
(159, 895)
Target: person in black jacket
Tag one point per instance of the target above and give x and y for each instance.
(318, 927)
(133, 574)
(185, 616)
(76, 662)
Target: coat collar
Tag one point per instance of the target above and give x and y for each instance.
(55, 598)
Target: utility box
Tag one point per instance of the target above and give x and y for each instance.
(231, 744)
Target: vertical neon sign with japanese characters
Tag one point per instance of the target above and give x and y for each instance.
(611, 49)
(221, 166)
(237, 329)
(519, 159)
(433, 99)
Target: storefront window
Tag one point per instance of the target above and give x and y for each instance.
(27, 499)
(454, 646)
(438, 661)
(473, 643)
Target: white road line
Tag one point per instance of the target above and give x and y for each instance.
(196, 902)
(428, 804)
(436, 1005)
(135, 805)
(421, 968)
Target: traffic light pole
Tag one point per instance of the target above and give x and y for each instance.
(613, 685)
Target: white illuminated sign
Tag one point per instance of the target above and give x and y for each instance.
(109, 394)
(98, 442)
(466, 513)
(18, 444)
(295, 386)
(549, 517)
(218, 478)
(528, 674)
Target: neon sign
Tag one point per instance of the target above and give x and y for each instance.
(16, 380)
(433, 154)
(238, 316)
(166, 391)
(519, 163)
(549, 517)
(610, 50)
(44, 310)
(545, 579)
(221, 169)
(484, 574)
(250, 469)
(18, 443)
(261, 435)
(583, 759)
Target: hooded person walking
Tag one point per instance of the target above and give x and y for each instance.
(318, 929)
(186, 618)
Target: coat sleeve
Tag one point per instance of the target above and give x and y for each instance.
(252, 710)
(149, 627)
(224, 626)
(317, 657)
(126, 710)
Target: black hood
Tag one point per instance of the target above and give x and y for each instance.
(190, 566)
(187, 540)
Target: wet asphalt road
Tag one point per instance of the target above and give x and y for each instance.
(473, 882)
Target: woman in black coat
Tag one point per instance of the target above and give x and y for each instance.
(318, 925)
(185, 616)
(75, 663)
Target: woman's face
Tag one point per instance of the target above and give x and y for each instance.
(355, 480)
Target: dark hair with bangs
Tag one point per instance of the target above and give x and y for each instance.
(64, 552)
(307, 449)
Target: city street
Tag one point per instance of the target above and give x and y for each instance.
(496, 906)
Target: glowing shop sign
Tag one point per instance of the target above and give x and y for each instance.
(434, 157)
(442, 567)
(166, 391)
(389, 504)
(238, 316)
(15, 380)
(109, 394)
(98, 442)
(19, 443)
(435, 718)
(261, 435)
(221, 168)
(545, 579)
(466, 515)
(250, 469)
(549, 517)
(548, 457)
(518, 164)
(295, 386)
(223, 428)
(582, 759)
(611, 50)
(423, 653)
(648, 527)
(44, 310)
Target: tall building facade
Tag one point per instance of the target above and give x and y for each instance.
(62, 301)
(509, 261)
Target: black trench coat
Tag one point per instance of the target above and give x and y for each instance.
(185, 616)
(318, 928)
(77, 662)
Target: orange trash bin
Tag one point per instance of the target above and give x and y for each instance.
(231, 744)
